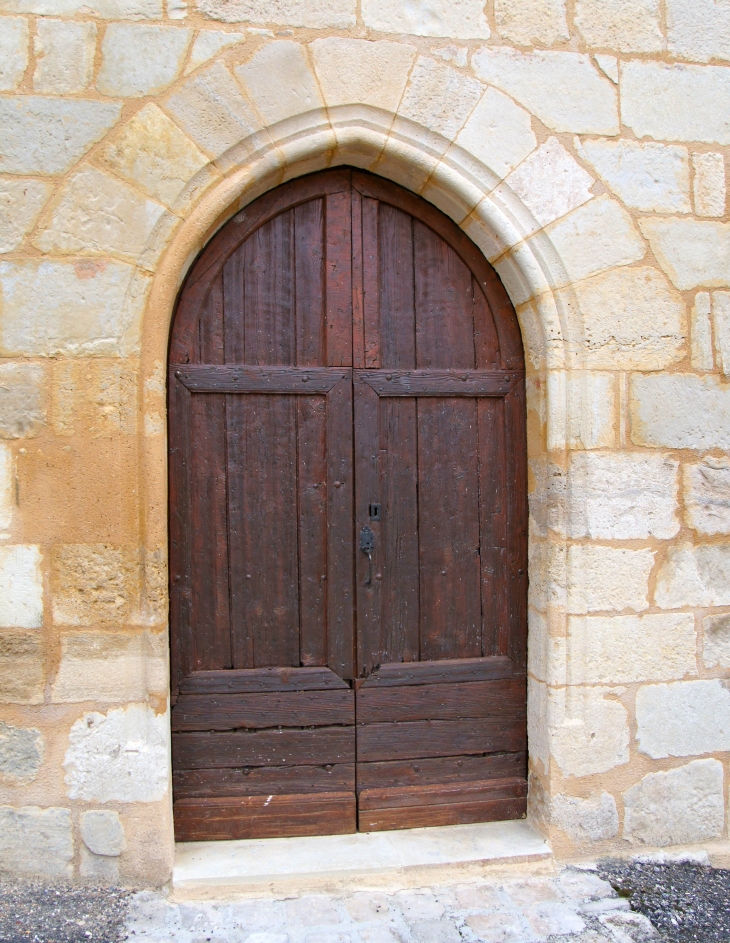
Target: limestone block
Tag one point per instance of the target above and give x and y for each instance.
(82, 308)
(676, 102)
(208, 43)
(623, 25)
(317, 14)
(563, 89)
(694, 576)
(36, 841)
(8, 490)
(648, 176)
(158, 57)
(439, 97)
(631, 318)
(97, 398)
(109, 667)
(64, 56)
(498, 133)
(355, 71)
(681, 411)
(707, 495)
(456, 55)
(94, 583)
(677, 807)
(709, 184)
(21, 753)
(22, 677)
(152, 151)
(721, 326)
(177, 9)
(106, 9)
(550, 183)
(596, 236)
(22, 411)
(211, 109)
(582, 410)
(99, 869)
(457, 19)
(585, 820)
(530, 22)
(102, 832)
(685, 719)
(608, 65)
(13, 51)
(21, 587)
(701, 332)
(698, 31)
(588, 730)
(96, 213)
(625, 649)
(716, 633)
(20, 203)
(279, 82)
(603, 579)
(119, 756)
(48, 135)
(622, 496)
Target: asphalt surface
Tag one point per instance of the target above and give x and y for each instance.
(59, 913)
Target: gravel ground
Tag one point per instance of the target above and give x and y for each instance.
(685, 902)
(55, 913)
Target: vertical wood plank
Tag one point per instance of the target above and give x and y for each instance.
(233, 278)
(397, 314)
(309, 287)
(493, 525)
(242, 638)
(312, 495)
(358, 322)
(486, 341)
(371, 281)
(269, 321)
(367, 445)
(448, 528)
(338, 235)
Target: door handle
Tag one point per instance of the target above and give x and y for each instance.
(367, 545)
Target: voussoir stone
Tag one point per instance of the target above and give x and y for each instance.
(279, 81)
(36, 841)
(679, 410)
(119, 756)
(439, 97)
(158, 57)
(498, 133)
(684, 719)
(648, 176)
(48, 135)
(357, 71)
(694, 576)
(64, 56)
(676, 102)
(22, 411)
(624, 25)
(694, 253)
(563, 89)
(707, 495)
(21, 753)
(698, 29)
(457, 19)
(102, 832)
(14, 34)
(20, 204)
(677, 807)
(316, 14)
(208, 43)
(585, 820)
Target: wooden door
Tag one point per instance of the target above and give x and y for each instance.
(348, 576)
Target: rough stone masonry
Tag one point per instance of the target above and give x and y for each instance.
(583, 147)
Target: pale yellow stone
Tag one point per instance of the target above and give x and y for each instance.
(208, 43)
(35, 841)
(588, 730)
(106, 9)
(64, 56)
(97, 214)
(632, 318)
(707, 495)
(94, 584)
(645, 175)
(698, 29)
(585, 820)
(623, 25)
(721, 328)
(608, 65)
(353, 71)
(20, 204)
(676, 102)
(530, 22)
(582, 410)
(688, 718)
(457, 19)
(211, 108)
(158, 56)
(14, 34)
(439, 98)
(48, 135)
(498, 133)
(693, 253)
(456, 55)
(701, 332)
(152, 151)
(8, 490)
(605, 579)
(680, 410)
(716, 648)
(97, 398)
(279, 82)
(563, 89)
(22, 676)
(694, 576)
(22, 411)
(316, 14)
(626, 649)
(709, 184)
(21, 587)
(108, 667)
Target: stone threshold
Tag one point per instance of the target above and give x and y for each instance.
(283, 865)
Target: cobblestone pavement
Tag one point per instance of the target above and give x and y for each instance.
(573, 906)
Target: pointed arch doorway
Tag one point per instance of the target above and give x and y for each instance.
(348, 522)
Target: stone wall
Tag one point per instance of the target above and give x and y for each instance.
(583, 147)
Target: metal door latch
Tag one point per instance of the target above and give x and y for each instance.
(367, 545)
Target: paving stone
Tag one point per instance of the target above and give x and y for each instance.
(498, 928)
(364, 907)
(553, 918)
(419, 905)
(312, 912)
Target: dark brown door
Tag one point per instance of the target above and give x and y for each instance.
(348, 522)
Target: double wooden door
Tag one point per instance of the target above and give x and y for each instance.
(347, 522)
